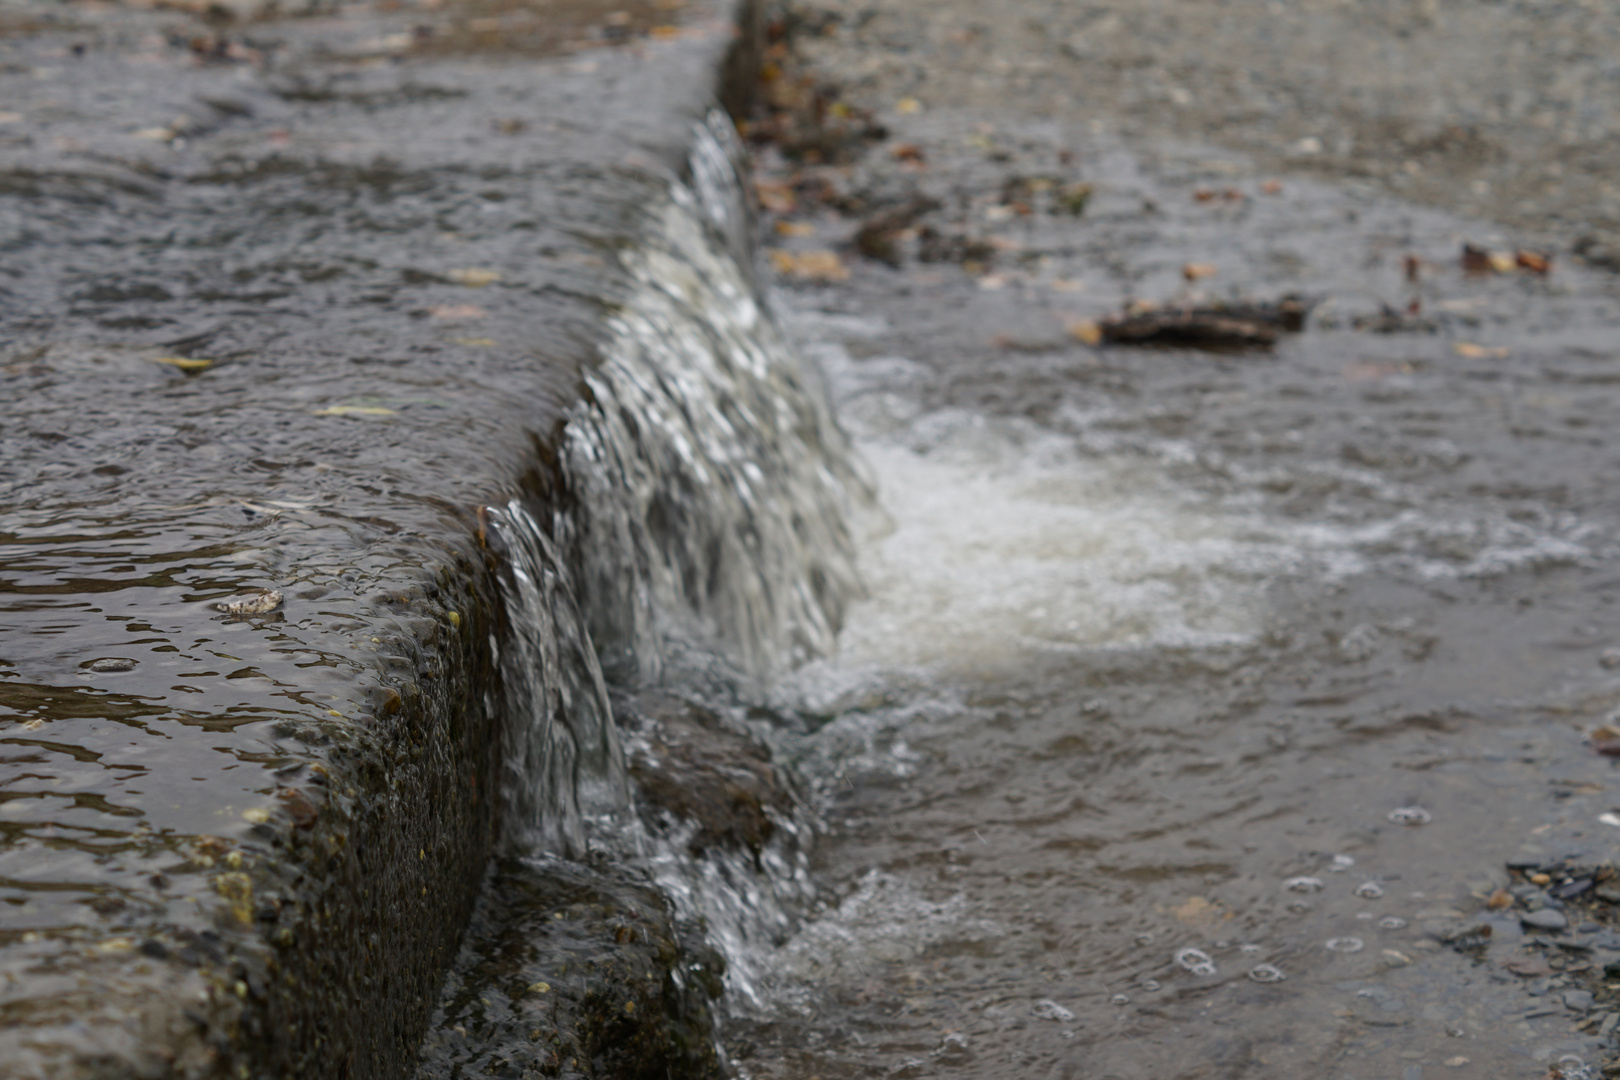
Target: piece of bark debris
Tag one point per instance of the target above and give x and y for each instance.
(1216, 326)
(879, 236)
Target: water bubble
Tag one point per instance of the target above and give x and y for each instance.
(1345, 944)
(1369, 890)
(1266, 973)
(1410, 815)
(1248, 948)
(1303, 884)
(1047, 1009)
(1341, 863)
(1391, 922)
(1570, 1067)
(1196, 961)
(1150, 985)
(1120, 999)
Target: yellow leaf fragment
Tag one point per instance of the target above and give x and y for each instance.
(540, 988)
(1198, 271)
(237, 891)
(809, 265)
(795, 228)
(355, 410)
(457, 311)
(475, 342)
(188, 364)
(1086, 331)
(258, 815)
(474, 277)
(1471, 351)
(908, 105)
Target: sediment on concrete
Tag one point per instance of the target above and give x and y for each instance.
(284, 303)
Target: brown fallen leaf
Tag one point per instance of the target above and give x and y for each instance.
(1272, 187)
(909, 152)
(1500, 899)
(1198, 271)
(1533, 261)
(809, 265)
(1471, 351)
(795, 228)
(1478, 260)
(776, 197)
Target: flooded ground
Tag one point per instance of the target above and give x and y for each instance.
(1281, 657)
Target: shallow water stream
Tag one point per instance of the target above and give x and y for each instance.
(1278, 657)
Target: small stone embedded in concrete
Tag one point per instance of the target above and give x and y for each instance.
(251, 603)
(1047, 1009)
(1544, 919)
(1578, 1000)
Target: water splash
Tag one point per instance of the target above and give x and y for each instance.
(712, 485)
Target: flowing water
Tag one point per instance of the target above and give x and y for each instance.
(949, 696)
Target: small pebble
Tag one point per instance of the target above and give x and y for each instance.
(1610, 658)
(112, 663)
(1410, 815)
(1047, 1009)
(1578, 1000)
(1456, 1062)
(1545, 919)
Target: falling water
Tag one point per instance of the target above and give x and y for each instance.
(703, 545)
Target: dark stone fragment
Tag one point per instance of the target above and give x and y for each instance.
(695, 769)
(1572, 889)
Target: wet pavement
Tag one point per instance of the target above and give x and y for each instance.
(1280, 655)
(285, 301)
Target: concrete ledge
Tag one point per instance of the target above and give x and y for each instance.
(284, 303)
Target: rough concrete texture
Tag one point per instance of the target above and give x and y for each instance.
(284, 300)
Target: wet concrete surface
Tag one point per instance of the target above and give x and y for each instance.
(285, 301)
(1280, 655)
